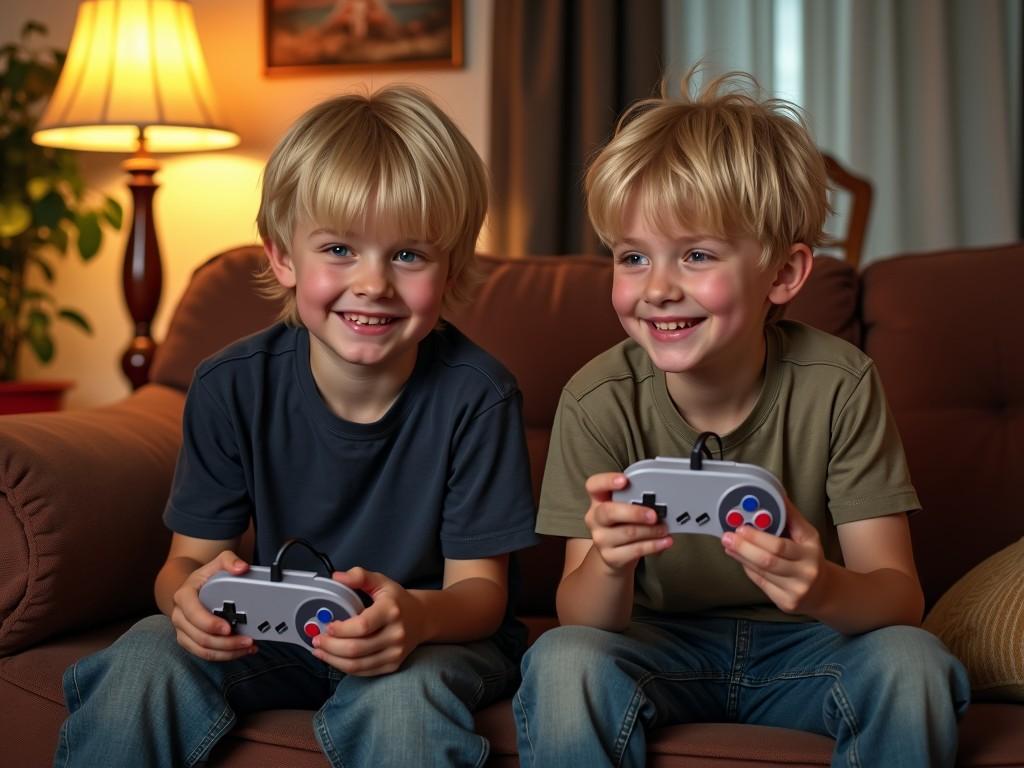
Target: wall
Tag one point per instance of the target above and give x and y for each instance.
(208, 202)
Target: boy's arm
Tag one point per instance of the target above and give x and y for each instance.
(596, 589)
(879, 585)
(469, 606)
(471, 603)
(591, 593)
(186, 555)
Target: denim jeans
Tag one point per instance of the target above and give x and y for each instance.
(890, 697)
(145, 701)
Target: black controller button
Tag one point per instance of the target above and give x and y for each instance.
(650, 500)
(230, 614)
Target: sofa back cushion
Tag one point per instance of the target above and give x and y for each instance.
(220, 305)
(945, 330)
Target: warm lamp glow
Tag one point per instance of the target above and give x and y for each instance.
(135, 81)
(134, 65)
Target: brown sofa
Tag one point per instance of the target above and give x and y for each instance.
(81, 492)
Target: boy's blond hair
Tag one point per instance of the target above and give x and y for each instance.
(722, 161)
(393, 150)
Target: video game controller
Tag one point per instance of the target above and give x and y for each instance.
(271, 604)
(717, 497)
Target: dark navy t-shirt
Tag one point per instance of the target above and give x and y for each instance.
(444, 474)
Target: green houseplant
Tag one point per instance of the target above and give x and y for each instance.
(45, 210)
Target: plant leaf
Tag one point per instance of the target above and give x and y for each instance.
(89, 235)
(113, 213)
(32, 294)
(38, 335)
(44, 265)
(15, 218)
(77, 319)
(37, 187)
(59, 239)
(49, 210)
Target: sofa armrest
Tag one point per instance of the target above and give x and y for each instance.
(81, 498)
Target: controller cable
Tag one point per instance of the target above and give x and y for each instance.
(700, 449)
(275, 567)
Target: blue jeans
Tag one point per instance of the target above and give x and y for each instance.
(888, 697)
(145, 701)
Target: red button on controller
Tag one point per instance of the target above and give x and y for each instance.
(734, 518)
(312, 629)
(763, 520)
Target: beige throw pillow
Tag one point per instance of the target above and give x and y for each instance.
(981, 620)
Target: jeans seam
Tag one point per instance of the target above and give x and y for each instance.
(630, 718)
(64, 728)
(735, 678)
(521, 708)
(330, 751)
(846, 710)
(223, 723)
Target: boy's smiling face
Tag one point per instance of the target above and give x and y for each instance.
(694, 302)
(367, 297)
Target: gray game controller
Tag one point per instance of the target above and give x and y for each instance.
(271, 604)
(717, 497)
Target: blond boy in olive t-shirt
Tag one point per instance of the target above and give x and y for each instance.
(711, 206)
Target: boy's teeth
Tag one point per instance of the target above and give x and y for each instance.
(366, 320)
(675, 326)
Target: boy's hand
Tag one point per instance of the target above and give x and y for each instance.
(376, 641)
(790, 571)
(622, 533)
(199, 631)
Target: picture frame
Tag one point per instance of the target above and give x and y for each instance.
(306, 36)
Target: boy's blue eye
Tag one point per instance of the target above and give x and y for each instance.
(698, 257)
(633, 259)
(407, 257)
(338, 250)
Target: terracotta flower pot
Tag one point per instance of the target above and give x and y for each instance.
(29, 396)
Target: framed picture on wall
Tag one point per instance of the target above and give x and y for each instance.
(302, 36)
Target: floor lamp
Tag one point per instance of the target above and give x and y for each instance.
(135, 81)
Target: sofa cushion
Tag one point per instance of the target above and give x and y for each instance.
(221, 304)
(81, 493)
(945, 331)
(981, 620)
(829, 299)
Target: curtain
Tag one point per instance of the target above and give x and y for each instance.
(563, 71)
(920, 96)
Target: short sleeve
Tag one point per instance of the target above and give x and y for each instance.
(209, 496)
(488, 509)
(575, 453)
(867, 472)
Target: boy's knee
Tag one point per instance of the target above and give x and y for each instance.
(904, 658)
(567, 654)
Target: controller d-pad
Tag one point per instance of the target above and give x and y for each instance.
(650, 500)
(230, 613)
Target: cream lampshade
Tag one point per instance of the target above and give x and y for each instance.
(135, 81)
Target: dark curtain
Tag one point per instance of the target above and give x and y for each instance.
(564, 70)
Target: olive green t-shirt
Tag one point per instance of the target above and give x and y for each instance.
(820, 424)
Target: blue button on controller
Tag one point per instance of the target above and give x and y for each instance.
(749, 503)
(324, 616)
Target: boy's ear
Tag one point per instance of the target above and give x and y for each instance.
(280, 264)
(791, 274)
